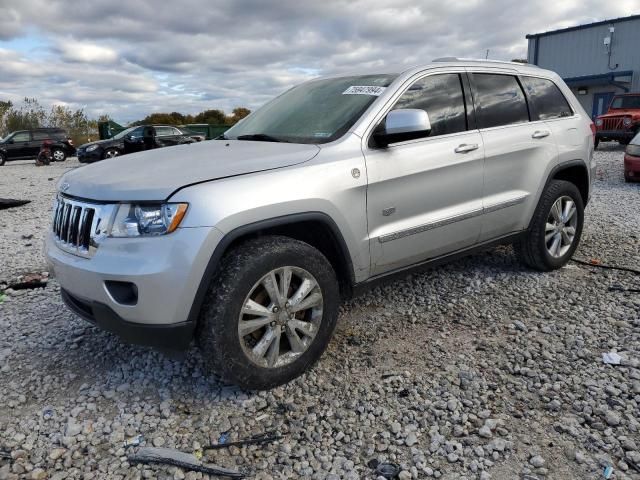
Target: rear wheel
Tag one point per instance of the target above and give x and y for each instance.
(270, 312)
(58, 155)
(555, 229)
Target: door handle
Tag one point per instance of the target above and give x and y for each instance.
(540, 134)
(466, 148)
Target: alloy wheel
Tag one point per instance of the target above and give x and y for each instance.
(111, 153)
(58, 155)
(280, 317)
(561, 225)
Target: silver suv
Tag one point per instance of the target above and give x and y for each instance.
(249, 242)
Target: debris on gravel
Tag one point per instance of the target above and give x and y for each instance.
(479, 369)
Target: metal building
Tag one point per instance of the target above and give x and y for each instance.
(596, 60)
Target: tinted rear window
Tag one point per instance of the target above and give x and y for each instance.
(545, 99)
(499, 100)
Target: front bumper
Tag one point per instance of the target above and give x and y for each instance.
(89, 157)
(632, 167)
(615, 134)
(166, 271)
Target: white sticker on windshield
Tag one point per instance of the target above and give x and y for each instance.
(364, 90)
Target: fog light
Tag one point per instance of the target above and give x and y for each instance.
(124, 293)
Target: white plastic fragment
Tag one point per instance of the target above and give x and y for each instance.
(611, 358)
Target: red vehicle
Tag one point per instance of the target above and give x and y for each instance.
(632, 160)
(622, 120)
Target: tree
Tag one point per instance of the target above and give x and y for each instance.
(211, 116)
(238, 114)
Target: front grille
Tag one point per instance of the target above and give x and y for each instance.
(614, 123)
(78, 226)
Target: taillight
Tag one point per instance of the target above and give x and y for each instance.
(593, 129)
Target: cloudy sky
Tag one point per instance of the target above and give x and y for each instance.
(130, 58)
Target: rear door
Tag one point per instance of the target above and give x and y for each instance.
(37, 137)
(424, 196)
(166, 136)
(517, 152)
(548, 104)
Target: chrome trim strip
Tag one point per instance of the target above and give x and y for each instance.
(505, 204)
(429, 226)
(449, 220)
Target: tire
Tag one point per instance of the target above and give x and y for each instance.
(596, 142)
(111, 152)
(238, 280)
(58, 155)
(3, 159)
(535, 250)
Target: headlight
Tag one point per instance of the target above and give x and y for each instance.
(626, 121)
(91, 148)
(598, 122)
(147, 219)
(633, 150)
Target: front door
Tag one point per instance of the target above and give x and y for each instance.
(424, 196)
(601, 103)
(19, 145)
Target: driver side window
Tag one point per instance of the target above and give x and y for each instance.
(441, 96)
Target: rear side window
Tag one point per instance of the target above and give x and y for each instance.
(499, 100)
(40, 135)
(442, 98)
(545, 98)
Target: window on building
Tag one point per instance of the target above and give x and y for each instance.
(499, 100)
(545, 99)
(442, 98)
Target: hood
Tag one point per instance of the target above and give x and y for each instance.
(106, 141)
(156, 174)
(621, 112)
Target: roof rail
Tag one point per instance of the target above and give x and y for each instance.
(480, 60)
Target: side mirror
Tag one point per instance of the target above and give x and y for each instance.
(403, 124)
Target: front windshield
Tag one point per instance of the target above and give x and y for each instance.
(124, 132)
(319, 111)
(626, 102)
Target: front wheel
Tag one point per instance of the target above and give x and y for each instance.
(270, 312)
(555, 229)
(111, 153)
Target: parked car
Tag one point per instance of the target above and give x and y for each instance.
(622, 120)
(166, 136)
(632, 160)
(249, 242)
(25, 144)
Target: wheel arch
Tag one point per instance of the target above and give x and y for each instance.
(574, 171)
(315, 228)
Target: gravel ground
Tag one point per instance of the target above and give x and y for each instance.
(479, 369)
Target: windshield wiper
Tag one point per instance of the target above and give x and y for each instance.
(260, 137)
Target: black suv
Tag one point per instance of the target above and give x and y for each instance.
(25, 144)
(132, 140)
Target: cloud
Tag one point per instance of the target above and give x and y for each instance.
(192, 55)
(78, 51)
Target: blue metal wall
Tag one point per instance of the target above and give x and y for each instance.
(580, 51)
